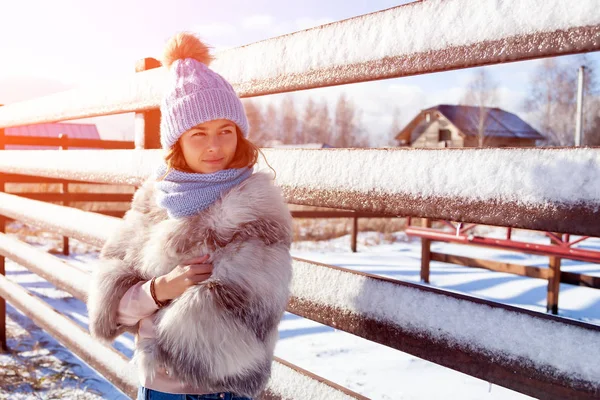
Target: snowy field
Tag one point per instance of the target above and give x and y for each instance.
(373, 370)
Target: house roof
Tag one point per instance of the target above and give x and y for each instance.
(73, 131)
(498, 123)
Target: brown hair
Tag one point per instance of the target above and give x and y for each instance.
(246, 155)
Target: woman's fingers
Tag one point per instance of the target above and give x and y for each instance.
(199, 278)
(196, 260)
(196, 269)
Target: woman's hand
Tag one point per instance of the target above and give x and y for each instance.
(190, 273)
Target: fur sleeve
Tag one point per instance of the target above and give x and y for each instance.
(110, 281)
(114, 272)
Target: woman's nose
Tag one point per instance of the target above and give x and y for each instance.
(213, 143)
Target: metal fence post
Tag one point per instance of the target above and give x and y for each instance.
(65, 190)
(3, 345)
(425, 252)
(553, 285)
(354, 232)
(147, 123)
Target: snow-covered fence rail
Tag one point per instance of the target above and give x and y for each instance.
(551, 190)
(533, 353)
(421, 37)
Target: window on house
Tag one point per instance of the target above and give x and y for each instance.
(445, 134)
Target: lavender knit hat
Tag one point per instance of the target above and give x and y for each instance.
(195, 93)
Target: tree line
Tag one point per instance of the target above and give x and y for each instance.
(550, 106)
(551, 100)
(312, 122)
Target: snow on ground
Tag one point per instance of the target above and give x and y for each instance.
(365, 367)
(39, 367)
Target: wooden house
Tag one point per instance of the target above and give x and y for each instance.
(467, 126)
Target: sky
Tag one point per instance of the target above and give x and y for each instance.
(54, 46)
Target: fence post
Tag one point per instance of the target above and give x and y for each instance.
(553, 285)
(65, 190)
(425, 252)
(3, 345)
(147, 123)
(354, 232)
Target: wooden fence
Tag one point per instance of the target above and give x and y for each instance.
(64, 142)
(536, 354)
(66, 198)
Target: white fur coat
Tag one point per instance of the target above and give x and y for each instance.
(220, 334)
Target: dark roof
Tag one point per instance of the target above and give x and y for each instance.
(498, 123)
(73, 131)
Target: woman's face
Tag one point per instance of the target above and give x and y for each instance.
(210, 146)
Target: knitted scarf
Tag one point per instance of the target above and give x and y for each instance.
(184, 194)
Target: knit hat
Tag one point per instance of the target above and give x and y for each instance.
(195, 93)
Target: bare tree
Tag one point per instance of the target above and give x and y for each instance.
(271, 126)
(552, 100)
(482, 92)
(591, 104)
(344, 122)
(310, 127)
(592, 136)
(289, 121)
(258, 133)
(348, 129)
(395, 127)
(360, 136)
(323, 122)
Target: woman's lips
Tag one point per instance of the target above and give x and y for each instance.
(217, 161)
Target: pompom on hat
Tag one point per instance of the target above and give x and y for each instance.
(195, 93)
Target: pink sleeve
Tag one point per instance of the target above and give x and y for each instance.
(137, 303)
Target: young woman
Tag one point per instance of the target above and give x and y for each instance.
(200, 269)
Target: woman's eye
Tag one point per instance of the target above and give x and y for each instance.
(198, 134)
(226, 132)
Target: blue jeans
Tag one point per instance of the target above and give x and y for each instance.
(149, 394)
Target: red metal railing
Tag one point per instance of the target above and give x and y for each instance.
(560, 247)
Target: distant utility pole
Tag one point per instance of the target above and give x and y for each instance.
(579, 114)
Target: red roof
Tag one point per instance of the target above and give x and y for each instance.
(75, 131)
